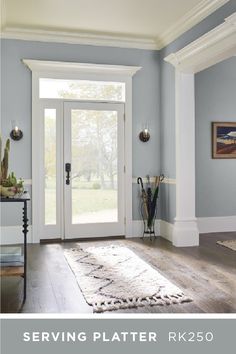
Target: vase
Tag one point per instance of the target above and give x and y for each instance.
(10, 191)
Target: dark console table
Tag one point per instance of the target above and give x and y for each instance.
(18, 268)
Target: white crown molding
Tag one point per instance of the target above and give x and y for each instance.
(211, 48)
(62, 66)
(78, 38)
(190, 19)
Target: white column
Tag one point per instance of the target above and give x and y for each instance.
(185, 232)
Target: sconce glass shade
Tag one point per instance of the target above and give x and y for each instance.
(16, 133)
(144, 135)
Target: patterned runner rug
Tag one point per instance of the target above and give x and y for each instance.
(114, 277)
(229, 244)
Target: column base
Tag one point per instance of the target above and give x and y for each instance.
(185, 233)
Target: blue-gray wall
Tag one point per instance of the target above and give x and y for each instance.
(215, 178)
(168, 193)
(153, 101)
(16, 100)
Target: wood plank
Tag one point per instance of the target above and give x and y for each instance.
(206, 273)
(11, 271)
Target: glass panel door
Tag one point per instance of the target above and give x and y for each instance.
(50, 162)
(49, 170)
(94, 166)
(94, 169)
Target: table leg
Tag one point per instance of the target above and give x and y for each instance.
(25, 231)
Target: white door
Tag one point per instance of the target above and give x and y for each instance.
(93, 169)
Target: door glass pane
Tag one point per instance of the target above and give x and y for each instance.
(50, 165)
(94, 166)
(82, 89)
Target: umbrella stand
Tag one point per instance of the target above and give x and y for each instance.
(147, 229)
(149, 214)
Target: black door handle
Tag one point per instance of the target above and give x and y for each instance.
(68, 170)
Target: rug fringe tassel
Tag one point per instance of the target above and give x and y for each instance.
(140, 302)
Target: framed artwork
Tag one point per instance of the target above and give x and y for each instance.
(224, 140)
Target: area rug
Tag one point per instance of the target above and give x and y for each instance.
(114, 277)
(229, 244)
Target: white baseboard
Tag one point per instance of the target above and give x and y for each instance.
(13, 235)
(217, 224)
(205, 225)
(185, 233)
(166, 230)
(138, 228)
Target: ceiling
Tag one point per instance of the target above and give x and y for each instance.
(145, 23)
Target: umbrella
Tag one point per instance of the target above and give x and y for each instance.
(144, 195)
(151, 215)
(149, 194)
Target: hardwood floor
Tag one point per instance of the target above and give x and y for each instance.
(206, 273)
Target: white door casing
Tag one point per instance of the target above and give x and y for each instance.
(185, 232)
(83, 71)
(213, 47)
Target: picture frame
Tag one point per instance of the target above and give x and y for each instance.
(224, 140)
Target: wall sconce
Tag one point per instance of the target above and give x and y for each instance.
(16, 133)
(144, 135)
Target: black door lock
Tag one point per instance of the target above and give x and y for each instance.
(68, 170)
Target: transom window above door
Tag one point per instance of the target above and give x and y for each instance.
(82, 90)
